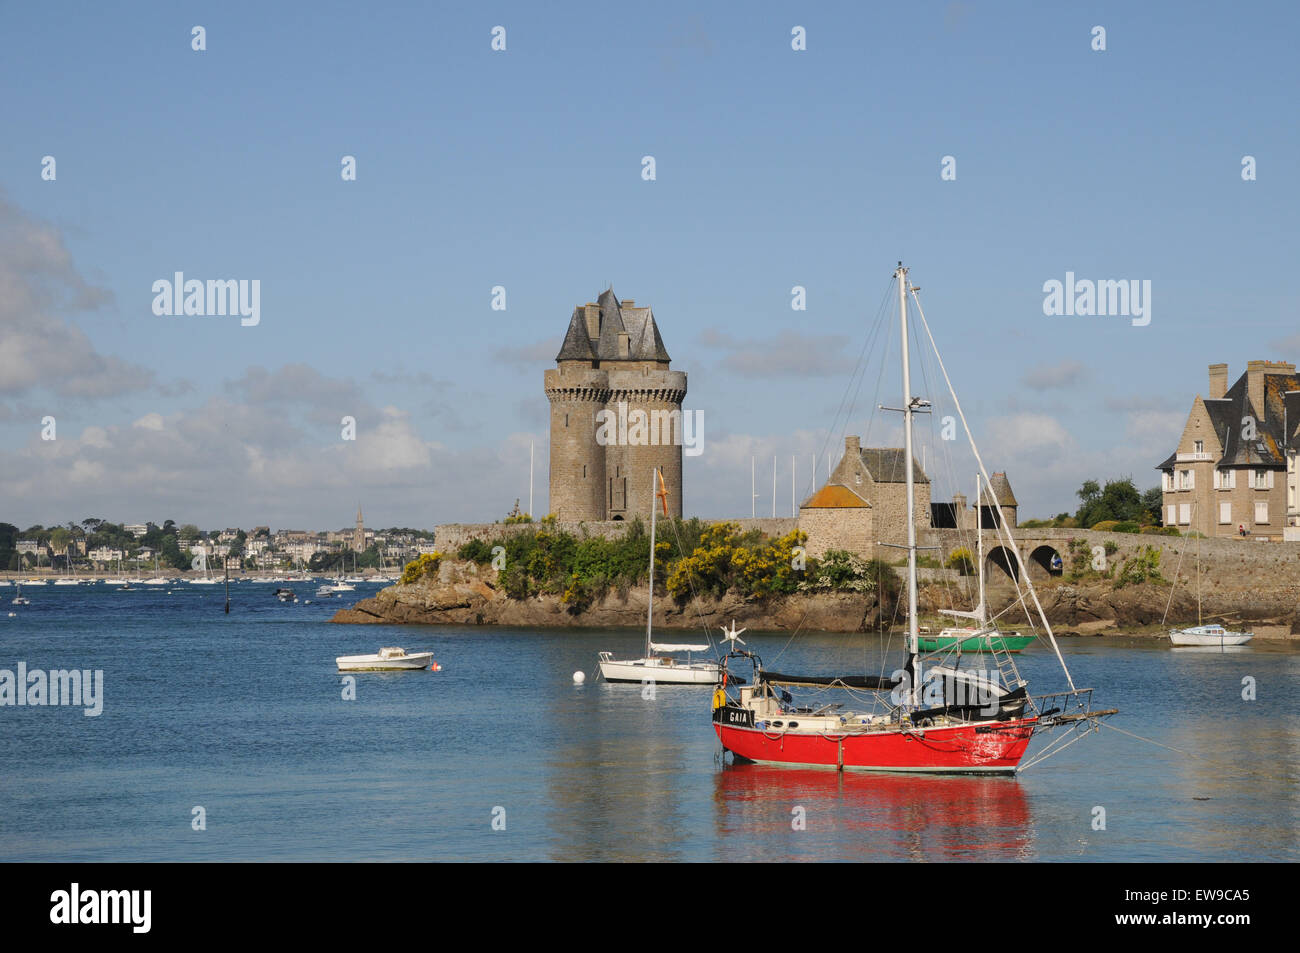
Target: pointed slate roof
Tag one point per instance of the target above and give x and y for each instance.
(644, 341)
(886, 465)
(577, 345)
(1001, 491)
(1269, 444)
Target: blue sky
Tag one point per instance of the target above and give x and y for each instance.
(522, 168)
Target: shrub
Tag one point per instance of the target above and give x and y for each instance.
(476, 550)
(1126, 526)
(1105, 526)
(727, 559)
(842, 570)
(420, 567)
(1142, 566)
(962, 560)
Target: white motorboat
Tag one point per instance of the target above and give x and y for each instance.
(341, 585)
(1215, 635)
(656, 666)
(64, 581)
(325, 591)
(386, 659)
(157, 581)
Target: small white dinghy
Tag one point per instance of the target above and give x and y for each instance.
(1215, 635)
(391, 658)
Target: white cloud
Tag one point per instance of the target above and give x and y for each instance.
(40, 349)
(150, 421)
(788, 354)
(1060, 376)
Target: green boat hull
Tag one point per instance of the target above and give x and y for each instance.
(974, 643)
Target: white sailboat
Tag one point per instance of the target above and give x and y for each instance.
(1201, 634)
(657, 666)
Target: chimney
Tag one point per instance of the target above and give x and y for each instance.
(1218, 380)
(853, 445)
(627, 303)
(591, 312)
(1256, 371)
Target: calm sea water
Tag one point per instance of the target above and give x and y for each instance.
(243, 715)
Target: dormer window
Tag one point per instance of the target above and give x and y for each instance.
(1199, 446)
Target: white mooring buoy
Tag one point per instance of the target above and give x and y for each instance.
(579, 678)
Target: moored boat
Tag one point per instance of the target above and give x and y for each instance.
(391, 658)
(922, 718)
(657, 665)
(1209, 635)
(974, 640)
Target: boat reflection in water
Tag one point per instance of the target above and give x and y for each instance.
(851, 816)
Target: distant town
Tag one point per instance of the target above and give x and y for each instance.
(98, 545)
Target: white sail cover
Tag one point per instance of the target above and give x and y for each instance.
(667, 647)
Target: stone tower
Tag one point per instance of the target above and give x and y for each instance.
(616, 414)
(359, 536)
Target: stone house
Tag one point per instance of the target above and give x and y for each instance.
(864, 502)
(1234, 466)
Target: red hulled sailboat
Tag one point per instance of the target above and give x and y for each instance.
(928, 716)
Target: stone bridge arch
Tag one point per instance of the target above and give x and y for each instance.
(1045, 561)
(1004, 559)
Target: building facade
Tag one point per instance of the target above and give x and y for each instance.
(1233, 471)
(616, 415)
(864, 502)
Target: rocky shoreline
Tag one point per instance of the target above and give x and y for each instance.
(465, 594)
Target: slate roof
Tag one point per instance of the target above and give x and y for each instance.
(1267, 449)
(1001, 491)
(644, 341)
(886, 465)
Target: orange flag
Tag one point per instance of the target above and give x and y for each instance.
(663, 492)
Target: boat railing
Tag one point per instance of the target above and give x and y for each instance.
(1058, 705)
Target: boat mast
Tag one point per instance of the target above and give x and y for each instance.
(1198, 573)
(650, 607)
(913, 634)
(979, 546)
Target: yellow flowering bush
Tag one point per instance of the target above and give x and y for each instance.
(418, 568)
